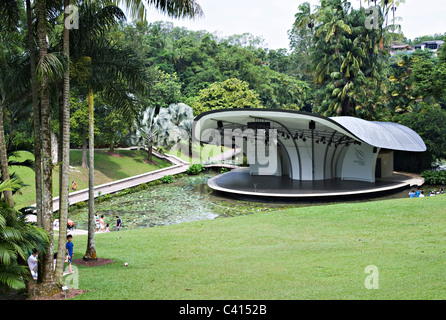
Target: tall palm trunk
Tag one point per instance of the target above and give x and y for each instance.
(91, 249)
(65, 168)
(36, 115)
(46, 272)
(4, 158)
(84, 148)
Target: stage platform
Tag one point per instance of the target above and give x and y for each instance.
(240, 182)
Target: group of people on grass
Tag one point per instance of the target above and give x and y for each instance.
(420, 193)
(33, 258)
(101, 226)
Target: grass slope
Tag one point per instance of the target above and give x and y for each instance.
(108, 168)
(316, 252)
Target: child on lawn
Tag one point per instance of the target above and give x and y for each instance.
(69, 246)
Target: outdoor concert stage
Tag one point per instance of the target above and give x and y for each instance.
(293, 154)
(240, 182)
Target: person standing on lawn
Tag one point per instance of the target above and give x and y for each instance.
(102, 223)
(96, 221)
(69, 246)
(32, 263)
(118, 223)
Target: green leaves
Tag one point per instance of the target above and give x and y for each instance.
(52, 67)
(232, 93)
(347, 62)
(173, 8)
(17, 237)
(434, 177)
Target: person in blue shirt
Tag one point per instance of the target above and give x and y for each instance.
(412, 194)
(69, 246)
(118, 223)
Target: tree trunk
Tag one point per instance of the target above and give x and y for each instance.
(36, 116)
(65, 167)
(84, 148)
(90, 254)
(4, 159)
(46, 272)
(149, 152)
(11, 132)
(190, 148)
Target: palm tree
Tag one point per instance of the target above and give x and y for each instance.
(46, 68)
(173, 125)
(145, 131)
(173, 8)
(111, 91)
(305, 18)
(36, 111)
(8, 48)
(103, 68)
(4, 159)
(348, 61)
(64, 168)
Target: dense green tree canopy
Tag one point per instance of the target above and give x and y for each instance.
(232, 93)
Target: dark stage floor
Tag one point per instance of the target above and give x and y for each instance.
(239, 181)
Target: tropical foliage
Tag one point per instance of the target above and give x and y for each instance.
(231, 93)
(347, 61)
(17, 239)
(96, 85)
(434, 177)
(174, 125)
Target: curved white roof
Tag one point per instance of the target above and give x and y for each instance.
(386, 135)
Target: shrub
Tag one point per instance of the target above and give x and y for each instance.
(434, 177)
(155, 182)
(167, 179)
(195, 169)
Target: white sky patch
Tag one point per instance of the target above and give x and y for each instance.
(271, 19)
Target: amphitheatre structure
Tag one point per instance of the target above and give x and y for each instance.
(299, 155)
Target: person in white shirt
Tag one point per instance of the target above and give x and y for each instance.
(32, 263)
(97, 222)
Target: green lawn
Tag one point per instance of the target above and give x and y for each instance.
(317, 252)
(199, 153)
(108, 168)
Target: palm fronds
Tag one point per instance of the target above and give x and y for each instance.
(17, 239)
(172, 8)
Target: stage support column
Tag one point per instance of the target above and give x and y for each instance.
(312, 126)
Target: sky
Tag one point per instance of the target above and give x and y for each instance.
(271, 19)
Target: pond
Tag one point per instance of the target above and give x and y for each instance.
(186, 199)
